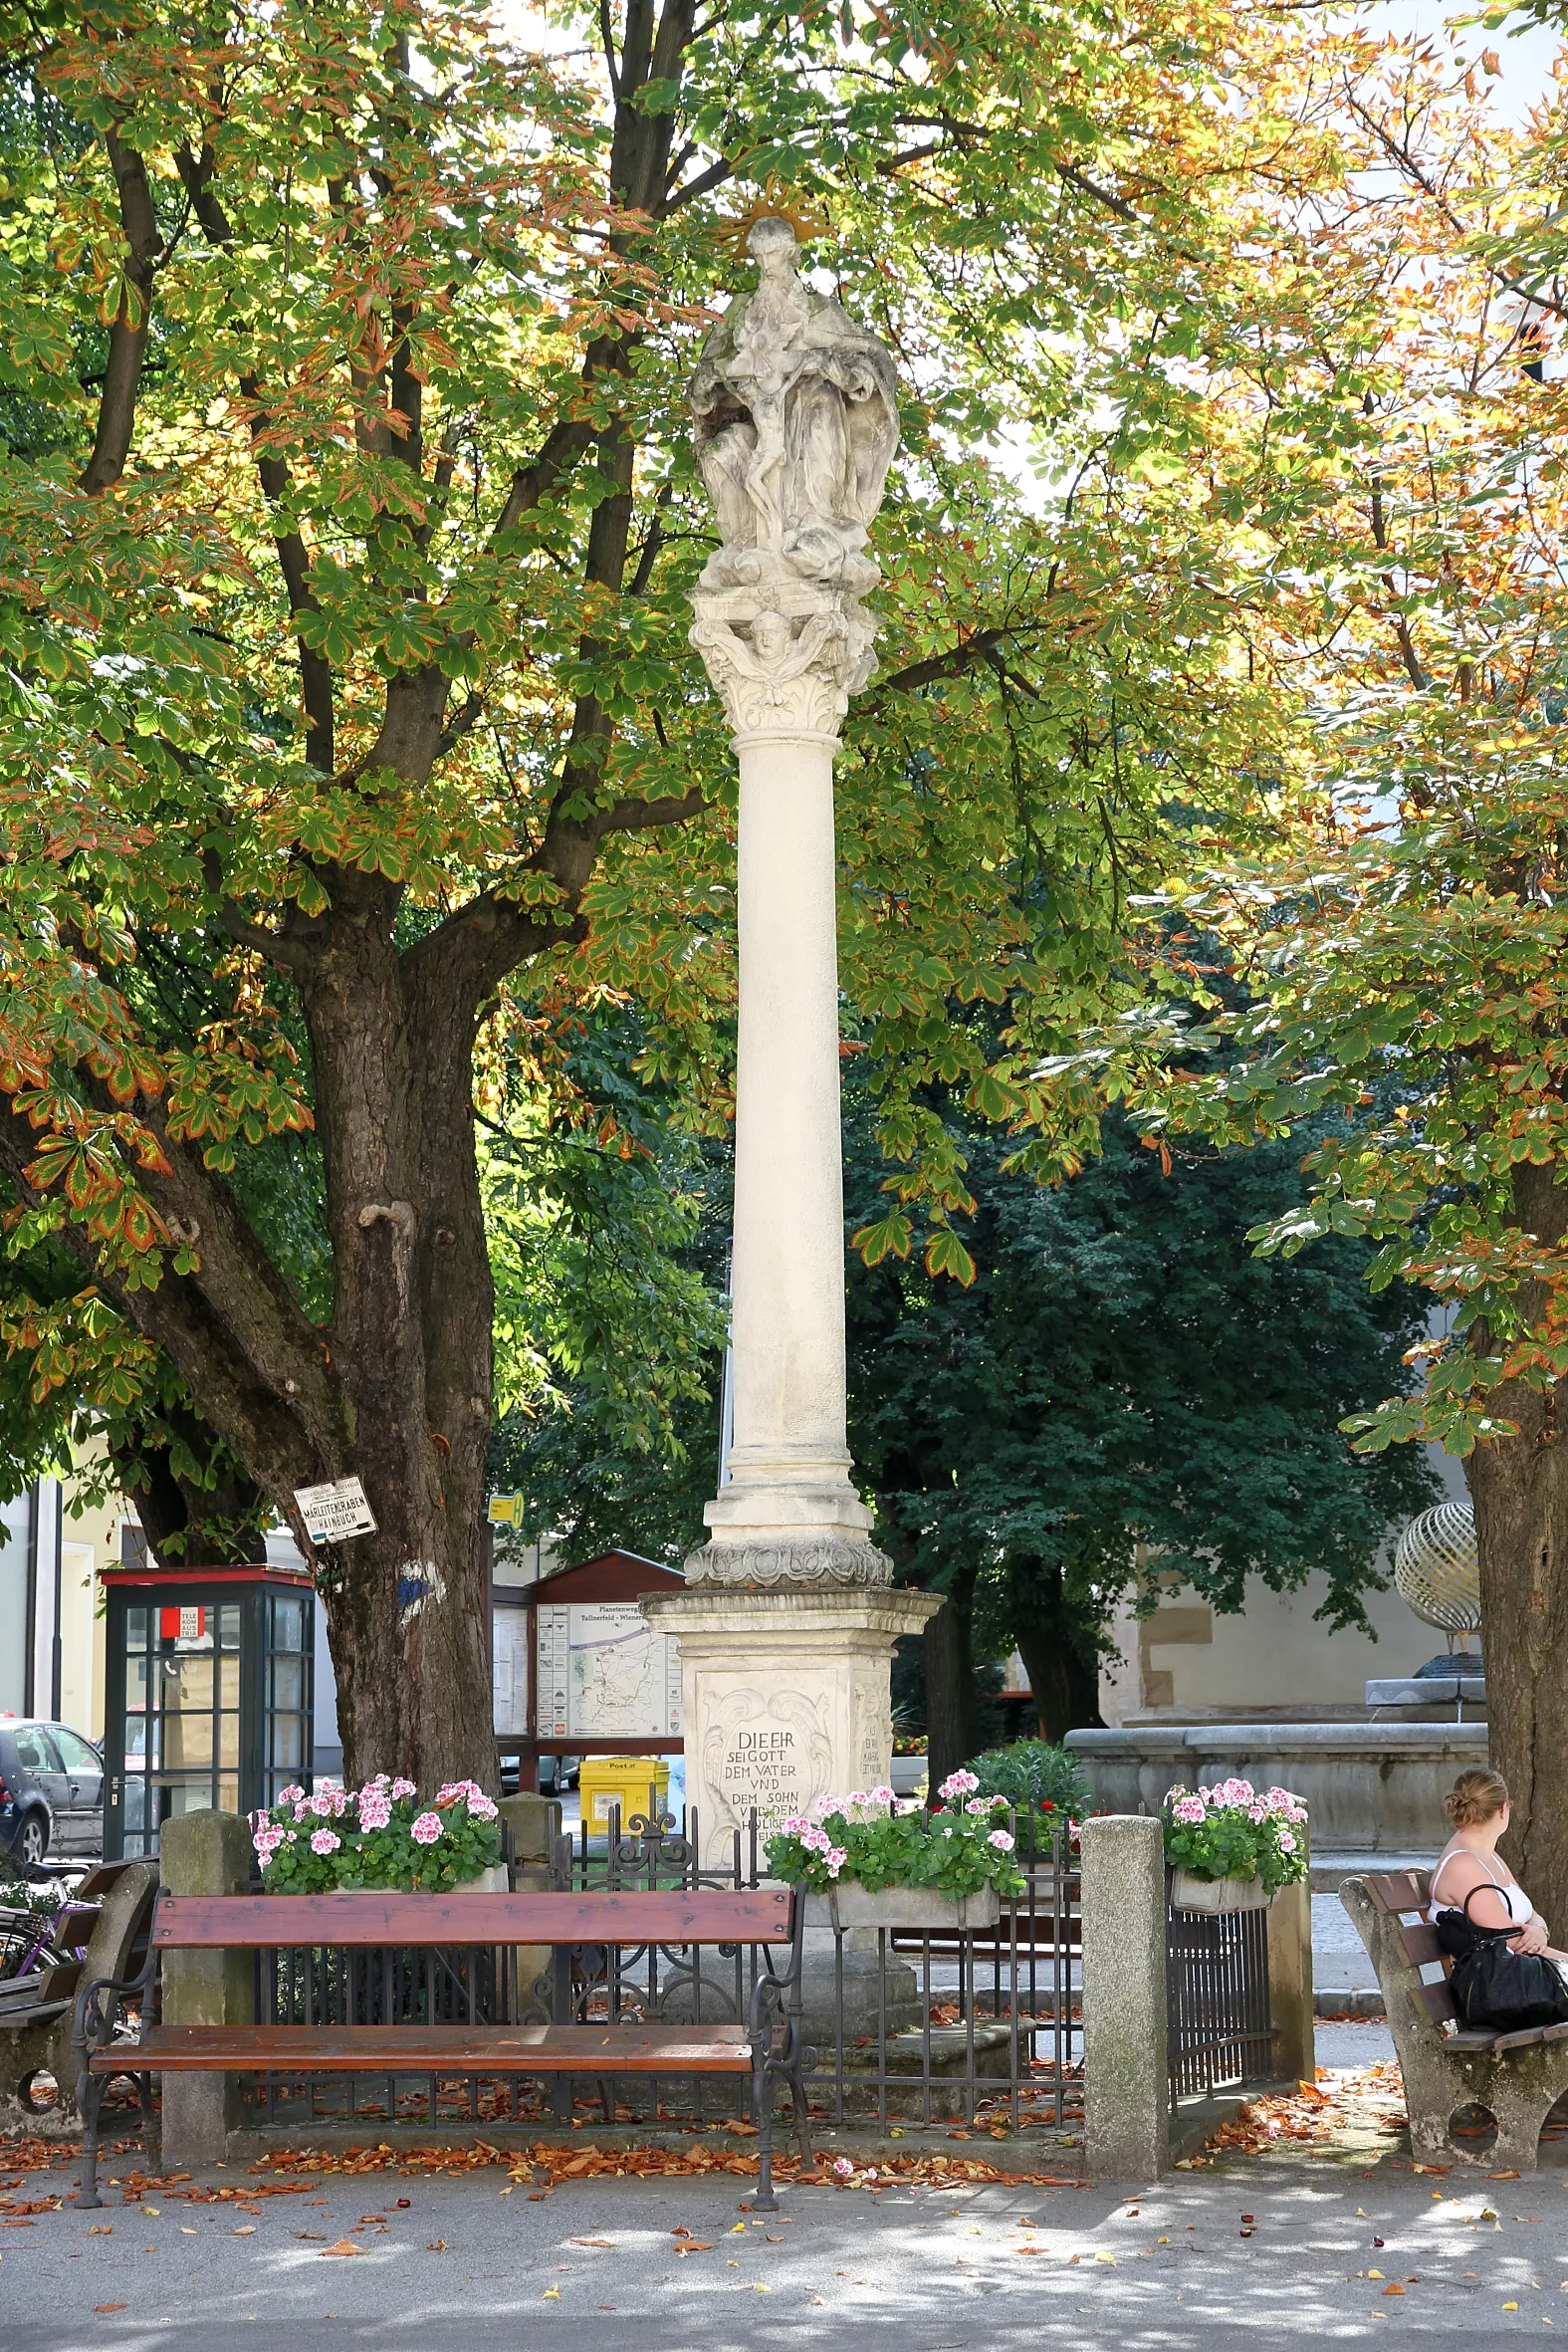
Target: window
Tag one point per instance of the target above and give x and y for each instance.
(33, 1749)
(79, 1758)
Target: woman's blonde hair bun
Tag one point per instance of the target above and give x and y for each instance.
(1476, 1796)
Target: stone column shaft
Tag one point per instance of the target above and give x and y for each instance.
(789, 1460)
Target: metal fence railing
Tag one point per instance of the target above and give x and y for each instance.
(925, 2026)
(1220, 2033)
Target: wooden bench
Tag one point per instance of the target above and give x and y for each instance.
(1517, 2077)
(767, 2049)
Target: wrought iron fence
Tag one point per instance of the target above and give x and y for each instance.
(1220, 2031)
(926, 2025)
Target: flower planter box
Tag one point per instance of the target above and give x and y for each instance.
(494, 1881)
(1188, 1892)
(907, 1774)
(850, 1905)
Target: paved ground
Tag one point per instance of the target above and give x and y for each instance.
(1279, 2247)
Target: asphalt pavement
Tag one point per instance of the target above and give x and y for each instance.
(1279, 2249)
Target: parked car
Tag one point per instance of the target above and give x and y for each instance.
(557, 1773)
(51, 1791)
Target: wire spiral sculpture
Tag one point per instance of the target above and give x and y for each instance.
(1436, 1569)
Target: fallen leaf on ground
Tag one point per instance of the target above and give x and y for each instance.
(111, 2306)
(344, 2246)
(246, 2230)
(590, 2242)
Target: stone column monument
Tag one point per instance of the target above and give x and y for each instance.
(787, 1629)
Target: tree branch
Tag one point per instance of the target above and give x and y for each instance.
(263, 1383)
(315, 672)
(128, 337)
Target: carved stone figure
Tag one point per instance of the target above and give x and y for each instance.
(774, 674)
(797, 420)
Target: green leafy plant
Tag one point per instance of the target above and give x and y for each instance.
(1036, 1777)
(1232, 1832)
(885, 1840)
(382, 1835)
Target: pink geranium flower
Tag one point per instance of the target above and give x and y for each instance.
(425, 1828)
(325, 1841)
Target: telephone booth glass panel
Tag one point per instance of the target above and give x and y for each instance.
(208, 1695)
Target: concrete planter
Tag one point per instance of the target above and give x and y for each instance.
(850, 1905)
(1188, 1892)
(493, 1881)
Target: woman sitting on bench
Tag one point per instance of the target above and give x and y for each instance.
(1476, 1903)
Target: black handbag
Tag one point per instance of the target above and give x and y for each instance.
(1494, 1989)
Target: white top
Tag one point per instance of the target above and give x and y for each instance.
(1516, 1901)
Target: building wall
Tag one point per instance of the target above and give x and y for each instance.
(1187, 1660)
(51, 1545)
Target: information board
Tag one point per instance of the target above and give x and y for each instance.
(604, 1674)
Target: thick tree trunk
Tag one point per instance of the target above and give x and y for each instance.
(411, 1344)
(1519, 1491)
(1059, 1653)
(952, 1715)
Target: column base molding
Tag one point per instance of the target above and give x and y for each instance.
(789, 1563)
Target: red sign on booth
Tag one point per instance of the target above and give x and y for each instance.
(182, 1624)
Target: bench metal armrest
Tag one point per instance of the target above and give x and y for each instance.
(775, 1995)
(92, 2022)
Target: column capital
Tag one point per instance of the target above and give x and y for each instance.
(784, 657)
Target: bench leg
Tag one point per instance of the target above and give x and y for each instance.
(151, 2130)
(89, 2098)
(764, 2200)
(801, 2121)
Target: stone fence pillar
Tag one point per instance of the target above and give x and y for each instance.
(1290, 1981)
(1127, 2094)
(206, 1853)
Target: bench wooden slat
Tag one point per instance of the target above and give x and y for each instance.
(1526, 2040)
(424, 2049)
(1470, 2037)
(100, 1880)
(1400, 1890)
(57, 1984)
(1437, 2000)
(194, 1923)
(1422, 1945)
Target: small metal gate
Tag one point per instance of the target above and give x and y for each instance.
(1220, 2029)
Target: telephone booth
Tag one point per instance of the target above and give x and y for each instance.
(208, 1695)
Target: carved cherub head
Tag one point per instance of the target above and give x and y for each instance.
(772, 635)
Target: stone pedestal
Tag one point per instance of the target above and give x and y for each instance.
(784, 1696)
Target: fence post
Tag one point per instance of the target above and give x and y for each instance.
(204, 1853)
(535, 1825)
(1126, 2080)
(1290, 2007)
